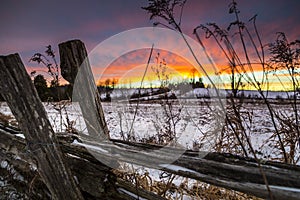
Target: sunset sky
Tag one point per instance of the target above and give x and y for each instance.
(28, 26)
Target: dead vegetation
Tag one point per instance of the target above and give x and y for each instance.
(184, 187)
(8, 120)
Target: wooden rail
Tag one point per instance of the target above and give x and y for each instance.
(225, 170)
(58, 158)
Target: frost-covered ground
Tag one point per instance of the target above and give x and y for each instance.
(196, 118)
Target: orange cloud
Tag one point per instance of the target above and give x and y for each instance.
(129, 65)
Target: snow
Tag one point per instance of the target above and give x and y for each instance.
(96, 148)
(74, 156)
(2, 183)
(20, 135)
(4, 164)
(285, 188)
(195, 120)
(177, 168)
(151, 117)
(33, 167)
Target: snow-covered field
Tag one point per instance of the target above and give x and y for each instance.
(194, 119)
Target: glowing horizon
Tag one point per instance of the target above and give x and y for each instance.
(128, 73)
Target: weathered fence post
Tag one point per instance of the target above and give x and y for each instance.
(19, 92)
(76, 69)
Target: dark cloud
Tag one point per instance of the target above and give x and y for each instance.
(27, 26)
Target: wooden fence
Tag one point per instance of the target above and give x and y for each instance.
(59, 160)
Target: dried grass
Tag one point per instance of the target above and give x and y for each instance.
(166, 187)
(8, 120)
